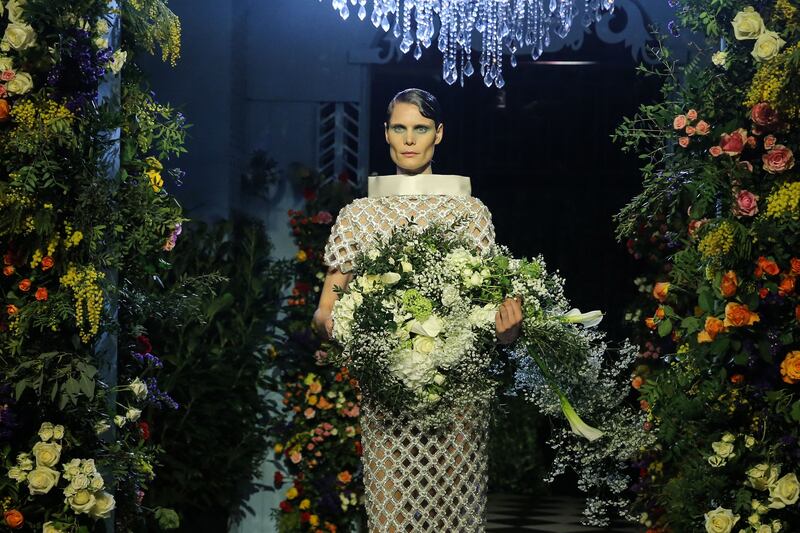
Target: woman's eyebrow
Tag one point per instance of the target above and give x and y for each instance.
(414, 126)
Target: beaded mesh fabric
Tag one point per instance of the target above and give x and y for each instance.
(417, 481)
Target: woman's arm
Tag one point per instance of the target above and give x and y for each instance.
(508, 321)
(323, 321)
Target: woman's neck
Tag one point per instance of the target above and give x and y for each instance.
(406, 172)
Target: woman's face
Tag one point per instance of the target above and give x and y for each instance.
(411, 138)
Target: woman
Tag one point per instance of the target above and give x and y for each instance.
(416, 481)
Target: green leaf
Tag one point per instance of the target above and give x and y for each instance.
(665, 327)
(795, 412)
(706, 301)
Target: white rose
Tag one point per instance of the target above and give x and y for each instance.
(119, 420)
(41, 479)
(58, 432)
(101, 42)
(47, 453)
(390, 278)
(21, 84)
(103, 505)
(450, 295)
(407, 266)
(424, 344)
(19, 36)
(101, 427)
(483, 315)
(82, 501)
(475, 279)
(102, 27)
(138, 388)
(748, 24)
(118, 61)
(433, 397)
(720, 58)
(6, 63)
(784, 492)
(777, 525)
(88, 466)
(431, 327)
(759, 507)
(749, 441)
(720, 520)
(24, 461)
(413, 368)
(373, 254)
(723, 449)
(49, 527)
(761, 476)
(767, 46)
(46, 431)
(79, 481)
(97, 482)
(754, 520)
(15, 10)
(728, 437)
(716, 461)
(17, 474)
(71, 469)
(439, 379)
(764, 528)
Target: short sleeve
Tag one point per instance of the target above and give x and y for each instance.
(341, 248)
(481, 228)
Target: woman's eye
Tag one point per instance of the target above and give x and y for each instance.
(398, 129)
(422, 129)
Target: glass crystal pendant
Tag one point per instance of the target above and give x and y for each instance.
(504, 26)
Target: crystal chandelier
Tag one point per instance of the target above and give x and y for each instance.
(504, 25)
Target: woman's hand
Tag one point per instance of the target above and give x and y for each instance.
(508, 320)
(323, 323)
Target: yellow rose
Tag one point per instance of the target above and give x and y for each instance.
(313, 520)
(748, 24)
(41, 479)
(15, 10)
(767, 46)
(82, 501)
(291, 494)
(723, 449)
(761, 476)
(103, 505)
(784, 492)
(21, 84)
(720, 520)
(305, 504)
(18, 36)
(47, 453)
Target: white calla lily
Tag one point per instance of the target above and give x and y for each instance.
(587, 320)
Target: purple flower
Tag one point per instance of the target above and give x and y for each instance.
(80, 67)
(157, 397)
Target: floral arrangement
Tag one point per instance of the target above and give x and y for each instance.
(719, 212)
(416, 327)
(317, 436)
(69, 221)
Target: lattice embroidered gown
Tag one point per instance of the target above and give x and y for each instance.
(417, 481)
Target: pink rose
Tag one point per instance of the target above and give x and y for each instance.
(695, 225)
(691, 114)
(746, 204)
(778, 160)
(703, 128)
(751, 141)
(8, 75)
(764, 116)
(732, 144)
(296, 457)
(747, 165)
(769, 142)
(684, 141)
(324, 217)
(680, 122)
(3, 91)
(716, 151)
(309, 412)
(690, 130)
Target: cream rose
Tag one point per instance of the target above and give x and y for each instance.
(764, 528)
(46, 431)
(415, 369)
(103, 505)
(748, 24)
(24, 461)
(79, 482)
(118, 61)
(41, 479)
(754, 520)
(82, 501)
(762, 476)
(119, 420)
(58, 432)
(21, 84)
(723, 449)
(716, 461)
(784, 492)
(15, 10)
(767, 46)
(407, 266)
(483, 315)
(88, 466)
(17, 474)
(749, 441)
(47, 453)
(720, 520)
(49, 527)
(6, 63)
(720, 58)
(97, 482)
(73, 468)
(18, 36)
(758, 507)
(138, 388)
(390, 278)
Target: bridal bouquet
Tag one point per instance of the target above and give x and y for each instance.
(416, 325)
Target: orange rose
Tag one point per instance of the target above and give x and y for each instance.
(683, 141)
(790, 367)
(713, 327)
(739, 315)
(344, 476)
(715, 151)
(661, 290)
(5, 110)
(795, 265)
(8, 270)
(47, 262)
(650, 323)
(786, 286)
(660, 313)
(12, 309)
(729, 284)
(25, 285)
(703, 128)
(324, 404)
(41, 294)
(644, 404)
(14, 518)
(737, 379)
(763, 292)
(691, 114)
(315, 387)
(637, 382)
(768, 265)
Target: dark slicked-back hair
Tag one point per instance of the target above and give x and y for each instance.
(427, 103)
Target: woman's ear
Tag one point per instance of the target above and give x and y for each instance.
(386, 132)
(439, 133)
